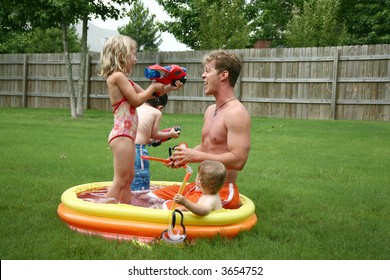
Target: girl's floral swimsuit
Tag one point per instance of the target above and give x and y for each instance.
(125, 120)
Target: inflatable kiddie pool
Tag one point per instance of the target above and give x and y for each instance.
(124, 221)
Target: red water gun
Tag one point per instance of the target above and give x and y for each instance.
(167, 74)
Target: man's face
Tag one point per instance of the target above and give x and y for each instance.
(211, 79)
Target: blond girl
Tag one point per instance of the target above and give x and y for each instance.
(117, 61)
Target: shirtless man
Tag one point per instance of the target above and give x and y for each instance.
(225, 133)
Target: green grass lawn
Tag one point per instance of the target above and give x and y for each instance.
(321, 188)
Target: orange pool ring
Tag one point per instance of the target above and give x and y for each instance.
(122, 221)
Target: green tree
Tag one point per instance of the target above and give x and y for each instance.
(142, 27)
(69, 12)
(268, 19)
(39, 40)
(316, 25)
(17, 15)
(223, 25)
(207, 24)
(367, 21)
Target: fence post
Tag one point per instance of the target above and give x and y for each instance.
(239, 90)
(25, 80)
(87, 89)
(333, 103)
(158, 58)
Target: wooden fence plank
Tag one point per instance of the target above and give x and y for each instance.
(347, 82)
(334, 84)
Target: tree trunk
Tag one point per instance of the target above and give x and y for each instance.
(83, 61)
(69, 76)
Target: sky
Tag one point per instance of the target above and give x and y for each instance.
(169, 43)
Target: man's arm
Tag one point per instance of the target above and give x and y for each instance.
(238, 125)
(238, 139)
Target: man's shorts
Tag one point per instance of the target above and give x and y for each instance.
(229, 195)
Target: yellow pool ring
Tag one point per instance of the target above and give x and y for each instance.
(128, 220)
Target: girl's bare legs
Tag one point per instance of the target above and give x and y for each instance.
(123, 151)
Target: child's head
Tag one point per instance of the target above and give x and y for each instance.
(116, 55)
(159, 102)
(211, 175)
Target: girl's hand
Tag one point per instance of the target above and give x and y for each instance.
(178, 85)
(159, 87)
(168, 88)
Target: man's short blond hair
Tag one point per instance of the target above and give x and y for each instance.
(225, 60)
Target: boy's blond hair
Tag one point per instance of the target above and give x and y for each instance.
(115, 54)
(212, 175)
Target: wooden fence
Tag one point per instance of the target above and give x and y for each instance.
(349, 82)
